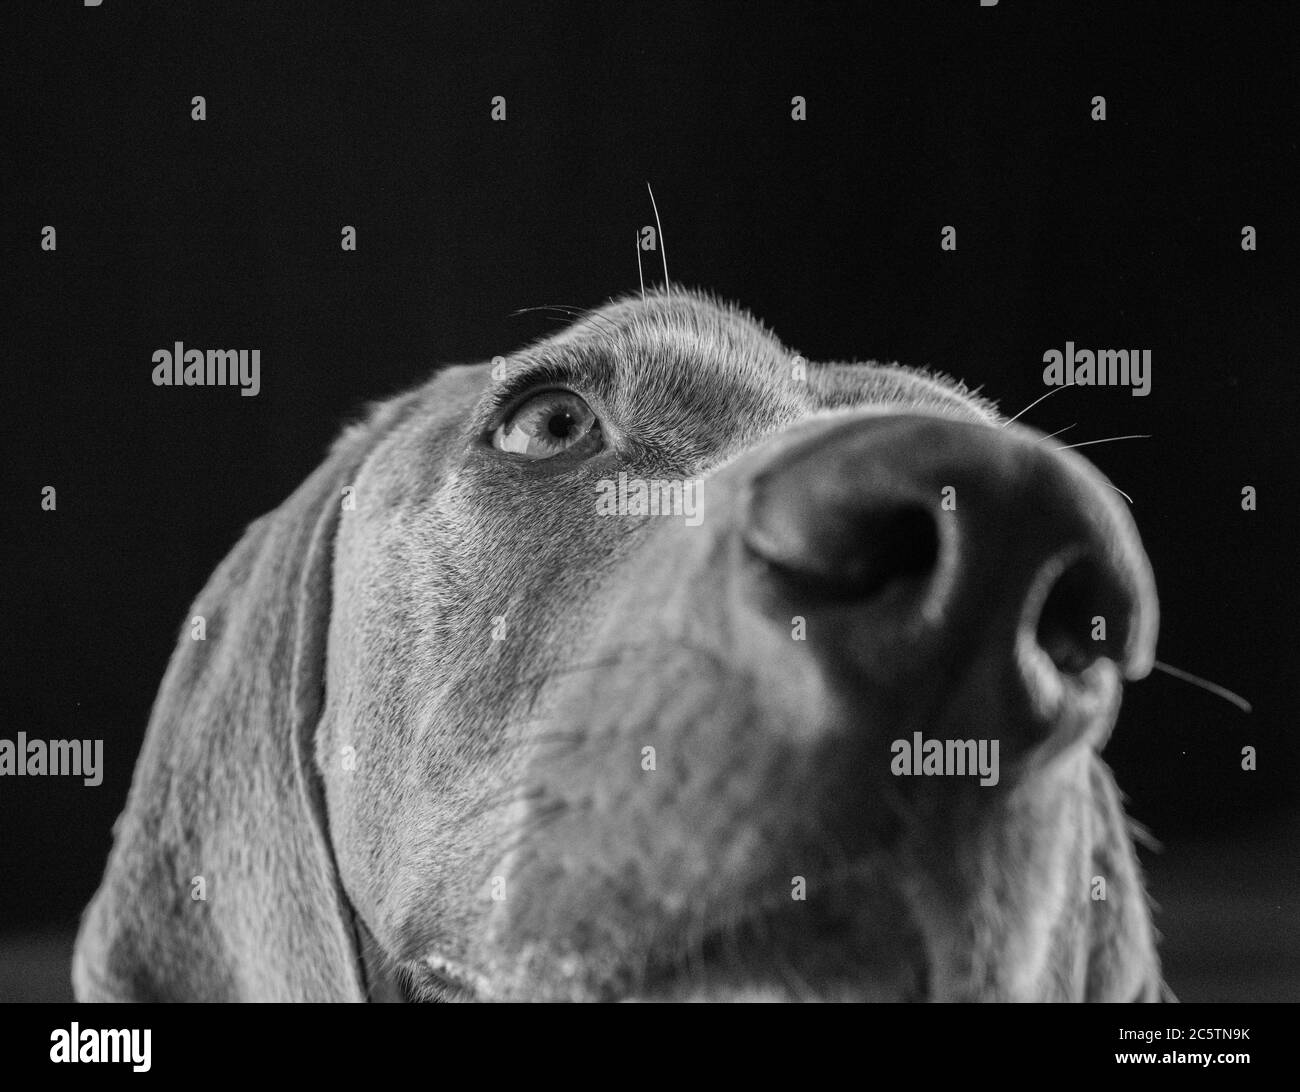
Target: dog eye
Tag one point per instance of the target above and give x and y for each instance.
(546, 424)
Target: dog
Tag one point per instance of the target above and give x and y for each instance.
(473, 720)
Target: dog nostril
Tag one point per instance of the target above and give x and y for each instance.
(902, 543)
(1084, 618)
(855, 551)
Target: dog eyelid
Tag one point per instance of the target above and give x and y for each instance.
(512, 391)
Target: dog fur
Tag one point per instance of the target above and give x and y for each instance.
(353, 764)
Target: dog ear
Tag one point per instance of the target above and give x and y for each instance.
(221, 883)
(1123, 964)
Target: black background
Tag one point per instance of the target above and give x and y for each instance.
(225, 233)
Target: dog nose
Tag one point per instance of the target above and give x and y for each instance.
(928, 554)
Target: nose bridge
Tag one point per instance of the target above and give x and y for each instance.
(935, 543)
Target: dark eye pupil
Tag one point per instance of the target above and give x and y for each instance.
(560, 425)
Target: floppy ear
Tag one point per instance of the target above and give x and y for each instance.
(1123, 964)
(221, 883)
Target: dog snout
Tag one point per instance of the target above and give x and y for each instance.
(923, 549)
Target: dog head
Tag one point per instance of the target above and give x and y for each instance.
(656, 662)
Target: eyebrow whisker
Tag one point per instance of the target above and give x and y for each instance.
(663, 250)
(572, 310)
(639, 271)
(577, 314)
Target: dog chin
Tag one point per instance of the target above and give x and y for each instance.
(688, 988)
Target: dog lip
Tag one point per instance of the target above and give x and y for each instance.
(453, 981)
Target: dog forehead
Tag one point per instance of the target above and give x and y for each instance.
(690, 341)
(679, 340)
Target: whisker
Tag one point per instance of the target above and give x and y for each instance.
(639, 273)
(663, 251)
(578, 314)
(563, 308)
(1067, 428)
(1205, 684)
(1056, 433)
(564, 315)
(1108, 440)
(1035, 402)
